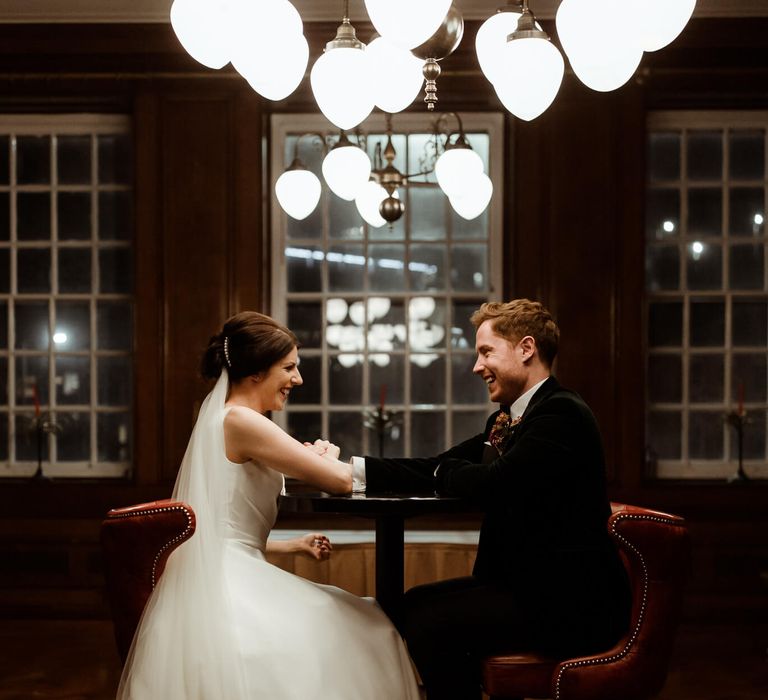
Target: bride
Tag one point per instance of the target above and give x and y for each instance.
(223, 623)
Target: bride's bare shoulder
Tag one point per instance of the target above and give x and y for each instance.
(241, 418)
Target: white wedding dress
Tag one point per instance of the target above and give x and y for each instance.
(224, 624)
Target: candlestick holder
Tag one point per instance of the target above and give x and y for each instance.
(381, 421)
(40, 425)
(737, 420)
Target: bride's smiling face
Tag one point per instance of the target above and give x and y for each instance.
(277, 382)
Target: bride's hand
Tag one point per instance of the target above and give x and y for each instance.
(315, 545)
(324, 449)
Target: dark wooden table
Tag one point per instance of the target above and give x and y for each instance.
(389, 512)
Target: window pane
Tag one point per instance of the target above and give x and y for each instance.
(114, 325)
(704, 266)
(304, 268)
(3, 437)
(115, 270)
(467, 387)
(345, 221)
(31, 325)
(73, 325)
(705, 435)
(115, 381)
(74, 160)
(427, 267)
(705, 155)
(705, 212)
(462, 331)
(345, 379)
(387, 379)
(5, 160)
(346, 266)
(73, 380)
(28, 440)
(31, 380)
(469, 268)
(467, 424)
(307, 427)
(346, 430)
(74, 216)
(665, 434)
(705, 383)
(749, 377)
(747, 211)
(754, 438)
(113, 436)
(75, 270)
(428, 432)
(750, 326)
(34, 270)
(426, 207)
(305, 319)
(662, 268)
(426, 324)
(665, 379)
(3, 324)
(5, 270)
(664, 156)
(662, 214)
(427, 378)
(3, 382)
(33, 160)
(386, 267)
(747, 154)
(115, 216)
(707, 323)
(746, 267)
(33, 216)
(386, 324)
(73, 442)
(115, 159)
(311, 372)
(5, 215)
(665, 324)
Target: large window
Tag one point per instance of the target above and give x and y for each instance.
(382, 314)
(707, 293)
(66, 329)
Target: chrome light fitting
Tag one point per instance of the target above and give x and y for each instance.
(375, 189)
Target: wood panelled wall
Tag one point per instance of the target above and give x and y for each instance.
(573, 237)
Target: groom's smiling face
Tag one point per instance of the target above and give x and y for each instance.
(500, 364)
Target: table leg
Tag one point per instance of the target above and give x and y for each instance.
(390, 565)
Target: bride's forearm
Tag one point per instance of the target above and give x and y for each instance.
(283, 546)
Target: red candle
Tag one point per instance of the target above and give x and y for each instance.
(36, 400)
(382, 395)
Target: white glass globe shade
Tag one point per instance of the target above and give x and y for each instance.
(659, 22)
(368, 200)
(472, 201)
(298, 192)
(341, 84)
(601, 41)
(534, 70)
(407, 23)
(455, 168)
(395, 74)
(275, 66)
(491, 39)
(346, 169)
(202, 28)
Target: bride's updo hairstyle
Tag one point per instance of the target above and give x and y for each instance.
(249, 343)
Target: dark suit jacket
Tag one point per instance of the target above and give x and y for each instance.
(545, 510)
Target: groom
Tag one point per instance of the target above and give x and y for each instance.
(546, 576)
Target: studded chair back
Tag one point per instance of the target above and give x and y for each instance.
(655, 548)
(136, 542)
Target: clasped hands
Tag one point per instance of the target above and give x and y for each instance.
(324, 448)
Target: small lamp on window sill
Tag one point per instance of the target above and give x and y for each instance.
(737, 419)
(375, 186)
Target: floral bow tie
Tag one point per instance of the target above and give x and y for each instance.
(502, 429)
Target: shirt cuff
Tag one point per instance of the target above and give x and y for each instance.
(358, 474)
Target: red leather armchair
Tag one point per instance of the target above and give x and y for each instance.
(655, 549)
(136, 542)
